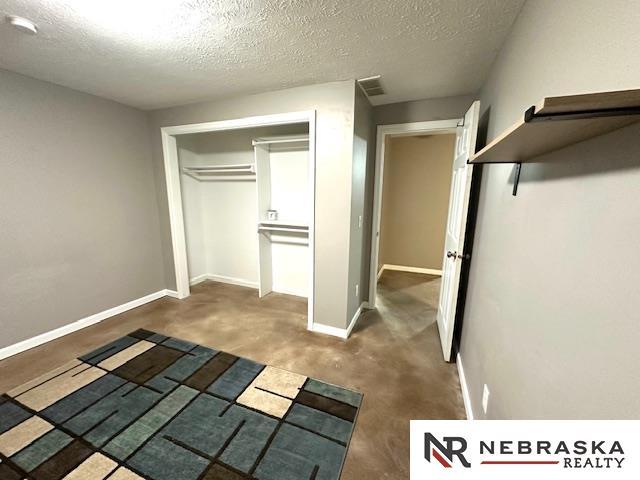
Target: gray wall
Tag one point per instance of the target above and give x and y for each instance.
(551, 323)
(422, 110)
(79, 220)
(334, 103)
(415, 200)
(361, 195)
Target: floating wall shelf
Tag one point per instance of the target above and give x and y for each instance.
(557, 122)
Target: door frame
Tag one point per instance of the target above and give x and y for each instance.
(434, 127)
(174, 189)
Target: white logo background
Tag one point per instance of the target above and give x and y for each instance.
(626, 432)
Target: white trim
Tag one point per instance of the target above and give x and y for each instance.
(404, 268)
(172, 293)
(329, 330)
(80, 324)
(355, 318)
(341, 332)
(174, 194)
(199, 279)
(403, 129)
(465, 389)
(223, 279)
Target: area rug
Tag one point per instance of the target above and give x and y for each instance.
(155, 407)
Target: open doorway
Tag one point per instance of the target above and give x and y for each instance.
(421, 201)
(415, 204)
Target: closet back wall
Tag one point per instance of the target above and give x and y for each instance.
(78, 217)
(220, 214)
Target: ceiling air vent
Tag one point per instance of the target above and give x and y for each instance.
(372, 86)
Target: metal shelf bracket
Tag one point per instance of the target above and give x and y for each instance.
(516, 180)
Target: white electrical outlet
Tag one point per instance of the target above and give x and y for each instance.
(485, 398)
(357, 289)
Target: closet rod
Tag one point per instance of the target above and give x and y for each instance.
(227, 170)
(282, 229)
(220, 168)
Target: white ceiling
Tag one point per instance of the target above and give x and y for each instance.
(156, 53)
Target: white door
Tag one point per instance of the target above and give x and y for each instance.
(456, 225)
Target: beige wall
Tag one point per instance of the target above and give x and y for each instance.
(551, 323)
(79, 230)
(334, 104)
(415, 200)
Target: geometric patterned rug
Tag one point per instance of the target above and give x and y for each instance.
(155, 407)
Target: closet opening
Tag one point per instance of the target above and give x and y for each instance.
(241, 200)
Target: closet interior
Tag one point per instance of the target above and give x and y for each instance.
(248, 208)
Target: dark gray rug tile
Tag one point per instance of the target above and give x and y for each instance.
(136, 434)
(161, 459)
(294, 454)
(67, 407)
(11, 415)
(101, 421)
(320, 422)
(41, 450)
(332, 391)
(238, 377)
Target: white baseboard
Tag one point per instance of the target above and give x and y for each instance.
(223, 279)
(199, 279)
(340, 332)
(380, 272)
(404, 268)
(80, 324)
(465, 388)
(171, 293)
(355, 318)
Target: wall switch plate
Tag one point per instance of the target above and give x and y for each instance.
(357, 289)
(485, 398)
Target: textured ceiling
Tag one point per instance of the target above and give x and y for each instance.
(155, 53)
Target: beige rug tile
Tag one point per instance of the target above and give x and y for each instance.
(264, 401)
(14, 440)
(124, 474)
(125, 355)
(96, 467)
(43, 378)
(279, 381)
(60, 386)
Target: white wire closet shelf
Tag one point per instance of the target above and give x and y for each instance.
(211, 172)
(283, 227)
(283, 139)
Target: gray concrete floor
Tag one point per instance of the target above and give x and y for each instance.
(393, 355)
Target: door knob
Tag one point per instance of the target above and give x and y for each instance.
(453, 255)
